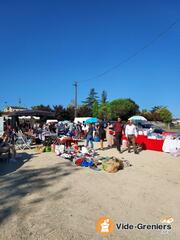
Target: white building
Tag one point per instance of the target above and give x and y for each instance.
(14, 109)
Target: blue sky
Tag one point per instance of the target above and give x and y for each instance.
(46, 45)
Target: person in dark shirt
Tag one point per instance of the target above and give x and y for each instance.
(118, 127)
(89, 137)
(101, 134)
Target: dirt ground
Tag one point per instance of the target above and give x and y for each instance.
(48, 198)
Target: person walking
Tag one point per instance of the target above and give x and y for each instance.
(118, 127)
(101, 134)
(131, 134)
(89, 137)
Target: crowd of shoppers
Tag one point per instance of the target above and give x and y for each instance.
(113, 133)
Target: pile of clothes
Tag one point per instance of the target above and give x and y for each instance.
(112, 164)
(81, 157)
(84, 157)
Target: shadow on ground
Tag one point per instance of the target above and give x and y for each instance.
(6, 166)
(28, 181)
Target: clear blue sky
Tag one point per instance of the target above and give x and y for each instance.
(46, 45)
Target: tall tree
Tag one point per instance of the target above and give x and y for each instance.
(95, 109)
(103, 97)
(123, 108)
(60, 112)
(165, 115)
(42, 107)
(92, 97)
(84, 111)
(155, 108)
(104, 112)
(147, 115)
(69, 113)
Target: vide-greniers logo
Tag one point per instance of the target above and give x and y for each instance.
(167, 220)
(104, 226)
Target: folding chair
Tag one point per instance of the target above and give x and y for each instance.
(22, 142)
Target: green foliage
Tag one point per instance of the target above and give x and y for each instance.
(60, 112)
(104, 112)
(92, 97)
(69, 113)
(42, 107)
(104, 97)
(147, 115)
(165, 115)
(123, 108)
(84, 111)
(95, 109)
(158, 113)
(155, 108)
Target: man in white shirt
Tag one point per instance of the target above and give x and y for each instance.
(131, 133)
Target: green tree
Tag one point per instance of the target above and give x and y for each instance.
(42, 107)
(92, 97)
(95, 109)
(104, 97)
(144, 110)
(156, 116)
(84, 111)
(60, 112)
(69, 113)
(104, 112)
(123, 108)
(155, 108)
(147, 115)
(165, 114)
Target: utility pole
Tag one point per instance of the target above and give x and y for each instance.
(19, 102)
(75, 98)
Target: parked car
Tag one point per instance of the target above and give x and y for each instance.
(150, 126)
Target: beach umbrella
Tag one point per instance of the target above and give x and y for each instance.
(91, 120)
(138, 118)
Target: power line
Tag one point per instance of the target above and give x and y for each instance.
(127, 59)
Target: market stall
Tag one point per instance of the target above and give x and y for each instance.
(65, 140)
(148, 143)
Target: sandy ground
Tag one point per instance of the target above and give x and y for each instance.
(49, 198)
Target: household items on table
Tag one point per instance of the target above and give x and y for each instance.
(172, 144)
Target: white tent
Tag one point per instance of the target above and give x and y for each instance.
(29, 117)
(81, 119)
(51, 121)
(138, 118)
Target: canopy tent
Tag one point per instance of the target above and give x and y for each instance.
(64, 122)
(81, 119)
(28, 113)
(29, 117)
(137, 118)
(91, 120)
(51, 121)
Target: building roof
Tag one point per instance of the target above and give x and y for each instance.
(16, 107)
(37, 113)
